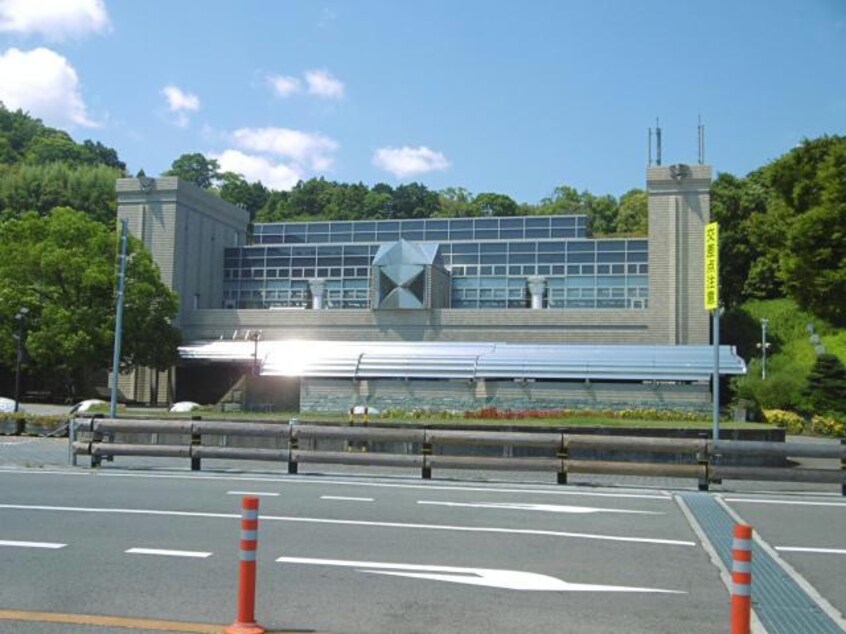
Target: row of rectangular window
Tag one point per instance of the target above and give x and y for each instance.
(515, 222)
(458, 272)
(235, 255)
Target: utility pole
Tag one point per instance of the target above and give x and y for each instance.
(21, 317)
(124, 231)
(763, 346)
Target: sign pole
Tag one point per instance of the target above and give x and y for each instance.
(716, 378)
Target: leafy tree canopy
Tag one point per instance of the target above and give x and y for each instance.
(62, 267)
(203, 172)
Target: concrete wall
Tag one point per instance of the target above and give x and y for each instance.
(335, 395)
(186, 229)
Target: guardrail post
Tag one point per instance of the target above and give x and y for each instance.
(741, 579)
(562, 456)
(71, 440)
(96, 437)
(246, 621)
(704, 460)
(426, 451)
(843, 469)
(196, 441)
(293, 444)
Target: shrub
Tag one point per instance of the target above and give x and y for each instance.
(829, 426)
(790, 421)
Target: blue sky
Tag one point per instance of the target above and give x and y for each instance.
(510, 97)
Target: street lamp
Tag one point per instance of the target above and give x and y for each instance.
(21, 317)
(763, 347)
(255, 335)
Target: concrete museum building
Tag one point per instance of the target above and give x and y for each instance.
(441, 313)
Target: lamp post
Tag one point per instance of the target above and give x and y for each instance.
(255, 335)
(21, 317)
(763, 346)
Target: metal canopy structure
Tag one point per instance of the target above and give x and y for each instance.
(471, 361)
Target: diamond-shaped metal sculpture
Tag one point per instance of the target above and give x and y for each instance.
(402, 273)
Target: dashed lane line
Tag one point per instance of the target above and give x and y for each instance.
(268, 494)
(338, 522)
(802, 549)
(345, 499)
(168, 553)
(785, 502)
(15, 544)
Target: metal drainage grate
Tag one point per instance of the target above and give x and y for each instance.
(782, 606)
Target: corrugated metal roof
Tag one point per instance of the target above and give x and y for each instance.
(447, 360)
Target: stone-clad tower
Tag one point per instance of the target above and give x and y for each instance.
(679, 209)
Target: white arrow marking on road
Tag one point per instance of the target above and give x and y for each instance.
(14, 544)
(548, 508)
(489, 577)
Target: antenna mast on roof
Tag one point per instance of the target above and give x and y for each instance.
(657, 142)
(701, 137)
(650, 147)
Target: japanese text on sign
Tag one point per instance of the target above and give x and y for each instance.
(712, 264)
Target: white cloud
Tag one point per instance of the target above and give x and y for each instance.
(54, 19)
(284, 85)
(257, 168)
(312, 150)
(43, 83)
(180, 103)
(408, 161)
(322, 83)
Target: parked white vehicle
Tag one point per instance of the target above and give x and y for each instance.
(85, 406)
(7, 405)
(184, 406)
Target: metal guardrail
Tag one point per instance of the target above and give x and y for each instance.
(703, 456)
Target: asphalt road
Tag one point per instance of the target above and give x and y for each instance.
(390, 554)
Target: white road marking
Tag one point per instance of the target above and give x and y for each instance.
(168, 553)
(548, 508)
(786, 502)
(799, 549)
(14, 544)
(338, 497)
(256, 493)
(315, 520)
(531, 488)
(490, 577)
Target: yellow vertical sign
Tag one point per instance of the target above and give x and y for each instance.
(712, 266)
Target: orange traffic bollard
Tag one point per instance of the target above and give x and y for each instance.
(246, 621)
(741, 579)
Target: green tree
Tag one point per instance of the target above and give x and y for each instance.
(456, 202)
(40, 188)
(826, 386)
(813, 262)
(414, 200)
(249, 196)
(490, 204)
(51, 148)
(203, 172)
(62, 267)
(633, 213)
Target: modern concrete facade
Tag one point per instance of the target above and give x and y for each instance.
(188, 229)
